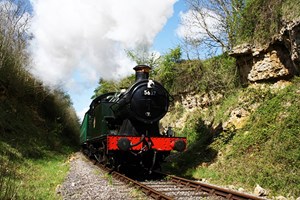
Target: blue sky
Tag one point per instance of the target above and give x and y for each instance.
(165, 40)
(69, 49)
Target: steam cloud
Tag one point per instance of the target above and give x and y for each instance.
(86, 39)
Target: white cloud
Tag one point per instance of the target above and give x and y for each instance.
(88, 38)
(192, 25)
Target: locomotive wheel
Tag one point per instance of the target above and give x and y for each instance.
(86, 151)
(101, 157)
(98, 157)
(111, 162)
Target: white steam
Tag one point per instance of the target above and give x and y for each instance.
(85, 40)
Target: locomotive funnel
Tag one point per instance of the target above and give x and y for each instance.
(141, 72)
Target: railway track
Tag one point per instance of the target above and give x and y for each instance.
(173, 187)
(211, 190)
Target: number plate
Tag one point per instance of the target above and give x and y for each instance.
(149, 92)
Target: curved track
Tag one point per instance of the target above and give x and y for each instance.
(212, 190)
(168, 187)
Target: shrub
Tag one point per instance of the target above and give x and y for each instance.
(262, 19)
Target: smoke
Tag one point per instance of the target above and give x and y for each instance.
(76, 42)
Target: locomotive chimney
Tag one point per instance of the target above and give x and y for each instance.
(141, 72)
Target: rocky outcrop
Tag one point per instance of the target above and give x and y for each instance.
(237, 119)
(186, 103)
(280, 59)
(259, 191)
(191, 100)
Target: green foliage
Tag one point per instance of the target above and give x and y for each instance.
(41, 177)
(234, 21)
(199, 136)
(142, 56)
(268, 145)
(30, 132)
(167, 71)
(126, 82)
(195, 129)
(217, 74)
(221, 112)
(265, 151)
(201, 172)
(261, 19)
(289, 10)
(109, 178)
(8, 176)
(105, 86)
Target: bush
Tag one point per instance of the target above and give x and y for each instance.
(217, 74)
(220, 75)
(263, 19)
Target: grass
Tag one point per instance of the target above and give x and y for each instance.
(263, 19)
(204, 172)
(33, 148)
(8, 171)
(41, 177)
(267, 148)
(264, 151)
(34, 178)
(8, 186)
(137, 194)
(109, 178)
(290, 11)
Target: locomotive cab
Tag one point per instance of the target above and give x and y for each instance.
(98, 120)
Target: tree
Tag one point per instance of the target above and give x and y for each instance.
(166, 70)
(14, 57)
(142, 56)
(212, 24)
(14, 24)
(105, 86)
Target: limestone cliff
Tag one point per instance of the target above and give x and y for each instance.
(280, 59)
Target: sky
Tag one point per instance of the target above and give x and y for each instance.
(76, 42)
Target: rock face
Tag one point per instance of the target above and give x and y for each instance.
(237, 119)
(280, 59)
(259, 191)
(192, 100)
(267, 67)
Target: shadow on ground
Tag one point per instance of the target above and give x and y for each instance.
(199, 153)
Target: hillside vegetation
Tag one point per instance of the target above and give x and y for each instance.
(38, 126)
(264, 149)
(262, 19)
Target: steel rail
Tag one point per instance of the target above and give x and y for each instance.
(213, 189)
(148, 191)
(195, 185)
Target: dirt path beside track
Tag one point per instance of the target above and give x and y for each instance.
(87, 181)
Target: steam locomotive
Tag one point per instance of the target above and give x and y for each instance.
(121, 129)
